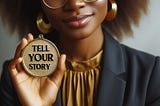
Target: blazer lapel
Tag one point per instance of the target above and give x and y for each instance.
(112, 80)
(112, 76)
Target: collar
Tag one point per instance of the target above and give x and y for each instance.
(112, 82)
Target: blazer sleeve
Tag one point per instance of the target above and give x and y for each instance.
(153, 92)
(8, 96)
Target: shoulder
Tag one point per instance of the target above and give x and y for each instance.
(141, 64)
(139, 58)
(5, 76)
(8, 94)
(143, 72)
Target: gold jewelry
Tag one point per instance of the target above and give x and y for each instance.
(113, 12)
(40, 57)
(42, 26)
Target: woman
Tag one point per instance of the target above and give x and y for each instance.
(97, 70)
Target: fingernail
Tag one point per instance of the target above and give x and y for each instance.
(29, 34)
(24, 40)
(20, 59)
(63, 58)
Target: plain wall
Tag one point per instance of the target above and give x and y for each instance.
(146, 36)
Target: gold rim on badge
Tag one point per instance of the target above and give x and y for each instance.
(40, 57)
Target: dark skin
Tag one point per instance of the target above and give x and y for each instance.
(86, 40)
(80, 39)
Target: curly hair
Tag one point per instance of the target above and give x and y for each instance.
(22, 14)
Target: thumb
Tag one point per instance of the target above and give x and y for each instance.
(59, 73)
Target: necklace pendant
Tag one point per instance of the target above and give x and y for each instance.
(40, 57)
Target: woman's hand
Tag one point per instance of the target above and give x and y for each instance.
(35, 91)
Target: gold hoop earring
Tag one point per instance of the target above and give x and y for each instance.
(113, 12)
(41, 25)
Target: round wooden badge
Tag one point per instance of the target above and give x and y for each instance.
(40, 57)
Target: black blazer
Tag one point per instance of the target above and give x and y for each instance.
(128, 78)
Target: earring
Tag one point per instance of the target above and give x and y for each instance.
(113, 12)
(42, 25)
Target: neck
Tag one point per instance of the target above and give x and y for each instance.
(82, 49)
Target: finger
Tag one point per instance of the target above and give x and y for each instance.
(20, 47)
(59, 73)
(18, 52)
(12, 66)
(30, 37)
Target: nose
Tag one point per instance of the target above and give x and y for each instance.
(73, 5)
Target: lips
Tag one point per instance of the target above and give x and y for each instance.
(78, 21)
